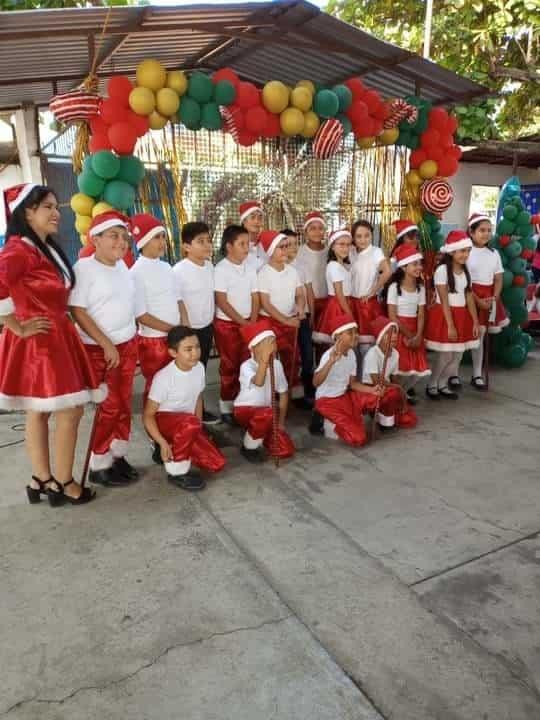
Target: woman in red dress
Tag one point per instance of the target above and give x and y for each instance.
(44, 368)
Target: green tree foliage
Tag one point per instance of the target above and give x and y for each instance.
(493, 42)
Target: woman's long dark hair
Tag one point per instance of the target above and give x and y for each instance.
(18, 225)
(397, 277)
(448, 262)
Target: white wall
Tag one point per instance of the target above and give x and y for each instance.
(11, 175)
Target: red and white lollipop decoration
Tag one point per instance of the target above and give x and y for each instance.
(436, 196)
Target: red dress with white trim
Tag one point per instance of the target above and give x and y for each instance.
(335, 272)
(436, 332)
(483, 264)
(412, 361)
(364, 273)
(45, 372)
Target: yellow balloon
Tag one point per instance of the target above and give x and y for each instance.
(151, 74)
(177, 81)
(311, 124)
(167, 102)
(414, 178)
(275, 96)
(428, 169)
(366, 142)
(82, 204)
(82, 223)
(308, 85)
(100, 208)
(142, 101)
(389, 136)
(292, 121)
(83, 239)
(157, 121)
(301, 98)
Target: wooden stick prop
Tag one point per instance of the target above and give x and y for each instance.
(90, 443)
(485, 362)
(381, 381)
(275, 413)
(293, 363)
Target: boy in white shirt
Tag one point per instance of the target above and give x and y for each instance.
(104, 306)
(237, 304)
(312, 259)
(282, 300)
(195, 275)
(253, 408)
(173, 413)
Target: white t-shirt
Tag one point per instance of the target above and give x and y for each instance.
(177, 390)
(257, 257)
(313, 264)
(196, 286)
(281, 287)
(107, 293)
(336, 272)
(374, 361)
(408, 302)
(483, 265)
(456, 299)
(337, 380)
(156, 287)
(253, 395)
(239, 282)
(365, 270)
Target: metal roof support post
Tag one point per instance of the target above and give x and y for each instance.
(27, 135)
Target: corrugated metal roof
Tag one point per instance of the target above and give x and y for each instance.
(48, 51)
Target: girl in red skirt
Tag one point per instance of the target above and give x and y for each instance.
(485, 266)
(452, 322)
(338, 280)
(406, 304)
(370, 273)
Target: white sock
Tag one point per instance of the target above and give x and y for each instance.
(451, 369)
(478, 355)
(442, 361)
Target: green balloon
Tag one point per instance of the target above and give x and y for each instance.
(527, 340)
(105, 164)
(513, 296)
(87, 164)
(190, 113)
(414, 142)
(437, 240)
(518, 315)
(518, 266)
(119, 194)
(513, 250)
(326, 104)
(524, 218)
(344, 96)
(404, 137)
(430, 219)
(517, 202)
(200, 88)
(508, 276)
(210, 116)
(505, 227)
(90, 184)
(224, 92)
(514, 356)
(529, 243)
(347, 124)
(131, 171)
(525, 231)
(510, 211)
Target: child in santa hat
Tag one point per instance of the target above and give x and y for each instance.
(104, 305)
(173, 413)
(282, 301)
(452, 322)
(369, 274)
(406, 305)
(251, 217)
(406, 233)
(338, 282)
(486, 270)
(253, 406)
(237, 304)
(312, 259)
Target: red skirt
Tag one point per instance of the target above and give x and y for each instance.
(47, 372)
(365, 313)
(412, 361)
(436, 332)
(501, 319)
(320, 304)
(322, 332)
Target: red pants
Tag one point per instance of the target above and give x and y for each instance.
(114, 421)
(232, 353)
(189, 443)
(288, 353)
(257, 422)
(393, 408)
(153, 355)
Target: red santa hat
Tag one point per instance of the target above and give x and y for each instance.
(107, 220)
(456, 240)
(343, 322)
(381, 325)
(144, 227)
(253, 333)
(314, 216)
(338, 234)
(249, 207)
(403, 227)
(270, 239)
(477, 218)
(15, 195)
(405, 254)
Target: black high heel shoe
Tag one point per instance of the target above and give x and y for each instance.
(34, 494)
(86, 495)
(51, 488)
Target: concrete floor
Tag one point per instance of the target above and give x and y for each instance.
(398, 581)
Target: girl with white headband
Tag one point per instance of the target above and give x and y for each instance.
(338, 281)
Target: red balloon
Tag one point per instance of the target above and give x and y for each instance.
(448, 166)
(364, 128)
(273, 126)
(98, 142)
(122, 137)
(456, 152)
(447, 141)
(113, 111)
(97, 125)
(430, 138)
(226, 74)
(140, 123)
(246, 139)
(119, 88)
(417, 158)
(519, 281)
(527, 254)
(382, 112)
(438, 119)
(358, 111)
(452, 124)
(378, 126)
(356, 86)
(535, 219)
(255, 120)
(373, 101)
(505, 240)
(435, 153)
(247, 95)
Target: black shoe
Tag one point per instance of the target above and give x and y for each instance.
(411, 392)
(209, 418)
(228, 419)
(479, 384)
(303, 403)
(411, 397)
(156, 455)
(125, 470)
(454, 382)
(191, 481)
(86, 496)
(316, 425)
(432, 393)
(387, 430)
(255, 455)
(107, 478)
(448, 394)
